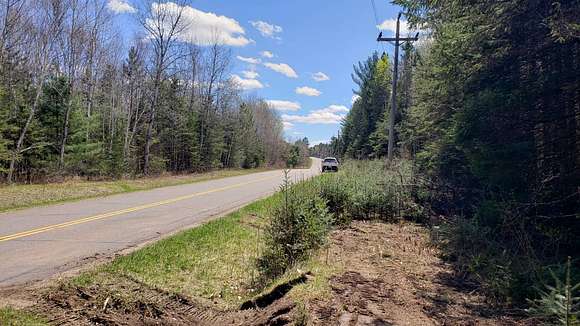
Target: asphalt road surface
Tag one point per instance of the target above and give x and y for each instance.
(41, 242)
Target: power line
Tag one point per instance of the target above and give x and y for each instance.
(374, 6)
(375, 11)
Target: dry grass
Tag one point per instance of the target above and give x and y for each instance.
(24, 196)
(392, 274)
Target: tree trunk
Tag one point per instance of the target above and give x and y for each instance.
(128, 125)
(24, 131)
(149, 134)
(64, 135)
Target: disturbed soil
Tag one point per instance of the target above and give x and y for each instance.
(128, 302)
(390, 274)
(393, 275)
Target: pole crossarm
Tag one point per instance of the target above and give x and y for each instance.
(394, 39)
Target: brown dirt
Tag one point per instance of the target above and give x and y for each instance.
(128, 302)
(393, 276)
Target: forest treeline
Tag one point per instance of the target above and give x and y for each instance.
(489, 111)
(76, 100)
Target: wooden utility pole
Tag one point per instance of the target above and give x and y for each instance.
(393, 111)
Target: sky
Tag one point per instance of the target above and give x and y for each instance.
(298, 54)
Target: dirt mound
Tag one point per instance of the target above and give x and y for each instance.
(128, 302)
(393, 276)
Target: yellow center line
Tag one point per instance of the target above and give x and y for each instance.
(121, 212)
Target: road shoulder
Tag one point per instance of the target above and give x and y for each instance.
(19, 197)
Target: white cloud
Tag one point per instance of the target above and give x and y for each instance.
(336, 108)
(267, 54)
(287, 125)
(354, 98)
(391, 25)
(267, 29)
(425, 37)
(282, 68)
(205, 28)
(250, 74)
(246, 84)
(121, 7)
(333, 114)
(308, 91)
(284, 105)
(320, 76)
(253, 61)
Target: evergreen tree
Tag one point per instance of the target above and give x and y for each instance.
(494, 116)
(252, 151)
(362, 137)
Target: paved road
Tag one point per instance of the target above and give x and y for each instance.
(41, 242)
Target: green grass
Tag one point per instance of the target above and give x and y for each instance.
(13, 317)
(24, 196)
(215, 262)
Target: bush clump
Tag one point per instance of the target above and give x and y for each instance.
(302, 218)
(299, 224)
(367, 190)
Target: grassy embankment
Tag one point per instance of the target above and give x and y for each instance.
(25, 196)
(218, 260)
(215, 262)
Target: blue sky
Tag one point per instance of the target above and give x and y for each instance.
(305, 37)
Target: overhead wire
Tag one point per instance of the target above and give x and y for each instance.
(374, 6)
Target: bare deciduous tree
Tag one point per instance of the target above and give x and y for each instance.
(164, 23)
(47, 19)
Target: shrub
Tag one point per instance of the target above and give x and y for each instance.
(336, 194)
(558, 303)
(300, 221)
(299, 224)
(369, 190)
(476, 254)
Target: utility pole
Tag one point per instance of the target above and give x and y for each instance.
(393, 111)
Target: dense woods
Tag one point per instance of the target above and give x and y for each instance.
(76, 99)
(489, 111)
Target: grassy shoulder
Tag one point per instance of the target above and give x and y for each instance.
(25, 196)
(219, 262)
(214, 263)
(13, 317)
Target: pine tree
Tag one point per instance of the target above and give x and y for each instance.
(252, 151)
(362, 135)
